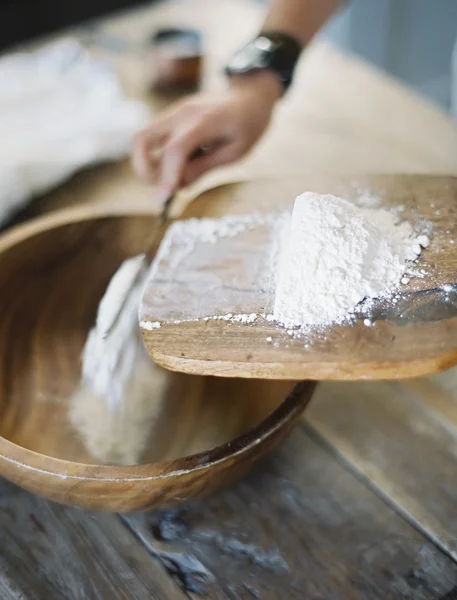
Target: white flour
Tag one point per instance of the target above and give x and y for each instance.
(108, 362)
(182, 236)
(120, 434)
(304, 271)
(119, 398)
(334, 254)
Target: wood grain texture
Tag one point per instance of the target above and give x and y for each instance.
(51, 552)
(300, 526)
(53, 273)
(415, 336)
(401, 437)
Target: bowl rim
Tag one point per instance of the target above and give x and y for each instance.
(21, 457)
(288, 411)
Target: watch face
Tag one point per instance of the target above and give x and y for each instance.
(263, 43)
(253, 56)
(275, 51)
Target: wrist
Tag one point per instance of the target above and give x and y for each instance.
(263, 83)
(271, 51)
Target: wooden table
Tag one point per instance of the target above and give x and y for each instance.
(361, 500)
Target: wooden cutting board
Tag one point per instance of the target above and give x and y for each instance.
(416, 336)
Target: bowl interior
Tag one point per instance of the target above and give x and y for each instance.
(51, 285)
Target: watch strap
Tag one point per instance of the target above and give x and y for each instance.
(271, 50)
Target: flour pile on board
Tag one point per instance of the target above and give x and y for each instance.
(334, 254)
(308, 268)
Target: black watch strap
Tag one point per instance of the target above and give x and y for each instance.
(271, 50)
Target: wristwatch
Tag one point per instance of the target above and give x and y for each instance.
(271, 50)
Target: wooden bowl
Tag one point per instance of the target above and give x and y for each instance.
(53, 272)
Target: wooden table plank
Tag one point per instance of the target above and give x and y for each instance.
(51, 552)
(389, 436)
(439, 394)
(301, 526)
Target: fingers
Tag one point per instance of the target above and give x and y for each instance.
(177, 155)
(176, 166)
(227, 126)
(143, 144)
(222, 155)
(174, 139)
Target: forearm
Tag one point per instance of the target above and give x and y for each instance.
(301, 19)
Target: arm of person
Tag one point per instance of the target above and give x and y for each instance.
(301, 19)
(227, 124)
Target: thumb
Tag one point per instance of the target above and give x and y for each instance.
(176, 156)
(170, 175)
(222, 155)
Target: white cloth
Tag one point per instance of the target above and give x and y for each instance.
(60, 110)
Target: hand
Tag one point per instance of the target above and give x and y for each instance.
(226, 125)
